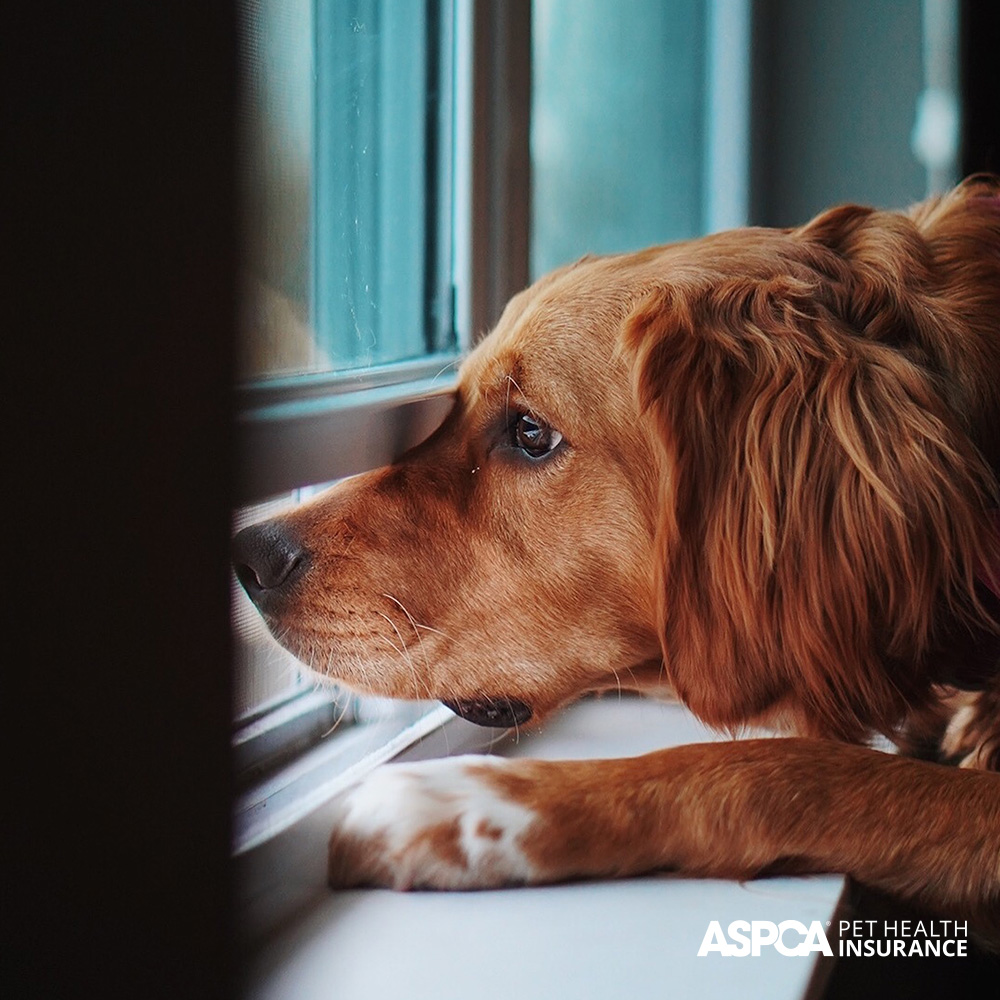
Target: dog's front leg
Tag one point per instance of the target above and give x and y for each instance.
(483, 822)
(729, 809)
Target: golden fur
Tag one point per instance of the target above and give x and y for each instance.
(775, 495)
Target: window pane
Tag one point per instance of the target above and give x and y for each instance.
(347, 131)
(618, 125)
(276, 162)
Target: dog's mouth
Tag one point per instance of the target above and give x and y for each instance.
(494, 712)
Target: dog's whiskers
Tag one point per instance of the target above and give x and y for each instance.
(409, 617)
(359, 661)
(399, 652)
(451, 364)
(343, 552)
(427, 628)
(517, 730)
(618, 681)
(405, 653)
(511, 381)
(338, 720)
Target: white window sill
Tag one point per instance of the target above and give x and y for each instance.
(635, 937)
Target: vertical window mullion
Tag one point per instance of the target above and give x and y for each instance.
(501, 168)
(439, 119)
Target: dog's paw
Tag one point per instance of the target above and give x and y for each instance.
(440, 824)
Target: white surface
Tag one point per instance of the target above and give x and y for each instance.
(635, 937)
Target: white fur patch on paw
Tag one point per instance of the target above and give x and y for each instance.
(437, 824)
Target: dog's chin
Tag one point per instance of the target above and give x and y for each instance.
(501, 712)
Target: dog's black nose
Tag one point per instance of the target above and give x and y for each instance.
(268, 559)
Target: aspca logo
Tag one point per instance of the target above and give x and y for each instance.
(747, 937)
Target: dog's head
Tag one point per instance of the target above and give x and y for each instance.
(504, 564)
(748, 467)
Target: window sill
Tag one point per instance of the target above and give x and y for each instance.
(330, 765)
(630, 937)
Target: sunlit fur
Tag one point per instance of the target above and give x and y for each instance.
(775, 496)
(826, 403)
(775, 493)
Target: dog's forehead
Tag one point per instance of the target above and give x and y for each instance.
(556, 341)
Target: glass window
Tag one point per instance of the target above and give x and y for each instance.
(346, 170)
(618, 125)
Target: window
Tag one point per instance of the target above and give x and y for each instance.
(350, 306)
(348, 136)
(638, 124)
(408, 166)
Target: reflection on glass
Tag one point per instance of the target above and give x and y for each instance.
(346, 132)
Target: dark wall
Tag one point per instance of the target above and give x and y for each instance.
(980, 81)
(118, 328)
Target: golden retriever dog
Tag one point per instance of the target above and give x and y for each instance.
(756, 471)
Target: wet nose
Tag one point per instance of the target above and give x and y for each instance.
(268, 560)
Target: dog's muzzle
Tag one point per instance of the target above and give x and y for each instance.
(496, 712)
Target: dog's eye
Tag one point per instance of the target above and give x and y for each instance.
(534, 437)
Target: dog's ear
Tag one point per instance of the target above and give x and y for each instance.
(821, 513)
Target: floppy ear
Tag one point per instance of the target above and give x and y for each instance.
(822, 516)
